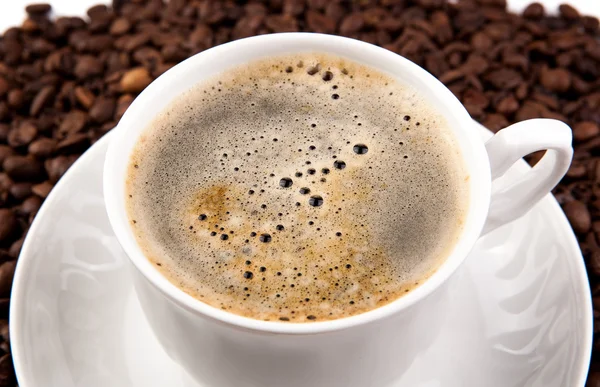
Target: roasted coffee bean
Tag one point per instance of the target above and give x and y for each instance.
(120, 26)
(4, 130)
(38, 9)
(556, 80)
(30, 205)
(4, 111)
(568, 12)
(507, 105)
(84, 97)
(22, 135)
(122, 104)
(20, 191)
(16, 98)
(534, 11)
(5, 152)
(43, 189)
(75, 143)
(4, 331)
(56, 167)
(102, 110)
(504, 79)
(586, 130)
(23, 168)
(88, 66)
(7, 271)
(15, 248)
(5, 182)
(41, 99)
(594, 263)
(318, 22)
(135, 80)
(577, 170)
(73, 122)
(8, 224)
(579, 216)
(7, 376)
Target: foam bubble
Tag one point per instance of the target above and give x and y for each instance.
(299, 188)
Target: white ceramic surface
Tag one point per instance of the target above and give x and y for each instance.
(325, 353)
(521, 308)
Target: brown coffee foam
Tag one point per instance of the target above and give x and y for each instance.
(399, 216)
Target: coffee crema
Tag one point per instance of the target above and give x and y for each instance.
(297, 188)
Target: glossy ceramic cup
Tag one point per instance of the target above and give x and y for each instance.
(218, 348)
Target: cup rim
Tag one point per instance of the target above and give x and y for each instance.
(480, 181)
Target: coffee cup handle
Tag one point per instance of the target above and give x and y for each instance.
(511, 144)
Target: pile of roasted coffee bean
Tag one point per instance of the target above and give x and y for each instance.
(65, 82)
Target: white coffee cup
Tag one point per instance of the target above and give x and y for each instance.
(222, 349)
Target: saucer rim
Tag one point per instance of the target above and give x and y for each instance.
(19, 289)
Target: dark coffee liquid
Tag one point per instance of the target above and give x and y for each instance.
(298, 188)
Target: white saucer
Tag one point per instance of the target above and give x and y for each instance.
(522, 313)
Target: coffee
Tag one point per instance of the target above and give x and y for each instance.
(297, 188)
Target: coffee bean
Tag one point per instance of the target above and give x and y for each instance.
(75, 143)
(590, 24)
(5, 256)
(22, 168)
(103, 109)
(7, 271)
(4, 130)
(29, 25)
(318, 22)
(40, 100)
(481, 42)
(507, 105)
(120, 26)
(4, 331)
(504, 79)
(594, 263)
(132, 42)
(30, 205)
(568, 12)
(8, 224)
(73, 122)
(43, 189)
(475, 101)
(16, 98)
(88, 66)
(586, 130)
(557, 80)
(20, 191)
(84, 97)
(38, 9)
(576, 170)
(7, 376)
(24, 134)
(5, 152)
(579, 216)
(281, 23)
(4, 86)
(122, 105)
(135, 80)
(56, 167)
(15, 248)
(5, 182)
(352, 23)
(534, 11)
